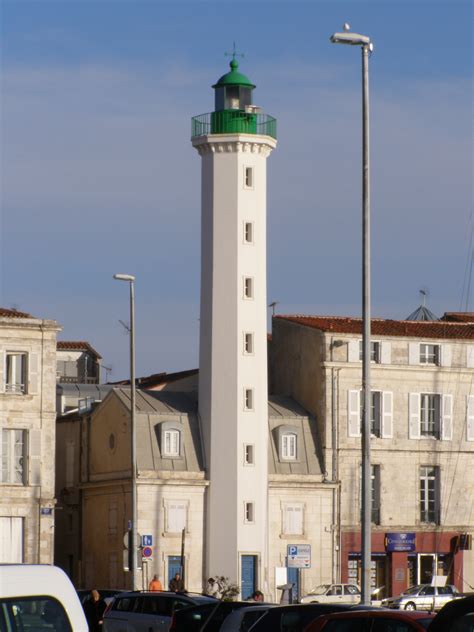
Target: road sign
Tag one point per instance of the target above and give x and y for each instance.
(147, 551)
(299, 556)
(126, 539)
(147, 540)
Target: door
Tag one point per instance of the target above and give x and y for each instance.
(426, 565)
(174, 566)
(248, 575)
(293, 575)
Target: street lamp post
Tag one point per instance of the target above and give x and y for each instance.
(133, 447)
(355, 39)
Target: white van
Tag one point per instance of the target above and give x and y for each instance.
(39, 597)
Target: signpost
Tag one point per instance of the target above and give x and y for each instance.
(299, 556)
(147, 553)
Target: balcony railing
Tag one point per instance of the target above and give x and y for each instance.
(233, 122)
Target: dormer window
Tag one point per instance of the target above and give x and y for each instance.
(288, 446)
(171, 443)
(170, 438)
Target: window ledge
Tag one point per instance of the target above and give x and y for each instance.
(169, 534)
(292, 536)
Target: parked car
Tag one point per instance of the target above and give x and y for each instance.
(107, 594)
(142, 611)
(376, 620)
(455, 616)
(333, 593)
(423, 597)
(242, 619)
(207, 617)
(296, 617)
(39, 597)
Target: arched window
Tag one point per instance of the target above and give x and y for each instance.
(171, 442)
(288, 447)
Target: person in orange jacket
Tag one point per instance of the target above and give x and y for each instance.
(155, 584)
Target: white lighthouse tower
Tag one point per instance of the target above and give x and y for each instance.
(234, 142)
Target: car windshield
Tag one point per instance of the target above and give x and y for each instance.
(411, 591)
(320, 590)
(425, 622)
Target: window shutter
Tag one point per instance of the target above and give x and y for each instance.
(470, 356)
(33, 373)
(387, 415)
(34, 457)
(413, 353)
(470, 418)
(353, 351)
(176, 517)
(447, 418)
(414, 416)
(353, 414)
(70, 454)
(445, 351)
(293, 519)
(2, 372)
(385, 353)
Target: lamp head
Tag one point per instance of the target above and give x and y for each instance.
(353, 39)
(124, 277)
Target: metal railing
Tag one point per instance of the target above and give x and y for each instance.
(233, 122)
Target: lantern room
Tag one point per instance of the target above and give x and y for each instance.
(233, 91)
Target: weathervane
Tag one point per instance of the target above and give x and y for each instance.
(234, 53)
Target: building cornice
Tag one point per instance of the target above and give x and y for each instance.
(234, 143)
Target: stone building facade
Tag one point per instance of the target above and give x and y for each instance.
(27, 426)
(172, 487)
(422, 416)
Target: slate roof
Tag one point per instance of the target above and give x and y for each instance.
(382, 327)
(152, 409)
(13, 313)
(77, 345)
(284, 411)
(158, 378)
(156, 407)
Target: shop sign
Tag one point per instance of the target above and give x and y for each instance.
(400, 542)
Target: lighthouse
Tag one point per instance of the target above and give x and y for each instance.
(234, 142)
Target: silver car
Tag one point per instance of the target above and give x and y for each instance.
(423, 597)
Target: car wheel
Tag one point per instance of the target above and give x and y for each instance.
(410, 606)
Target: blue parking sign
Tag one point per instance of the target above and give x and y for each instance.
(292, 549)
(147, 540)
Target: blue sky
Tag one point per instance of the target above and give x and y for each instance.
(98, 174)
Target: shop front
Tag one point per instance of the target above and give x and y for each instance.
(403, 559)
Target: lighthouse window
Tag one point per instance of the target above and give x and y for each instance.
(248, 343)
(248, 177)
(248, 399)
(249, 512)
(248, 232)
(248, 287)
(248, 454)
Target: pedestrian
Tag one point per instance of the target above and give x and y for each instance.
(213, 588)
(257, 595)
(177, 584)
(155, 584)
(94, 610)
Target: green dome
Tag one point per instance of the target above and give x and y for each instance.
(234, 77)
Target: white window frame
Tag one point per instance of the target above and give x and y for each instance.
(11, 385)
(288, 446)
(248, 177)
(375, 351)
(248, 343)
(430, 354)
(171, 442)
(249, 512)
(431, 415)
(248, 288)
(10, 474)
(248, 232)
(249, 454)
(249, 399)
(286, 529)
(429, 499)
